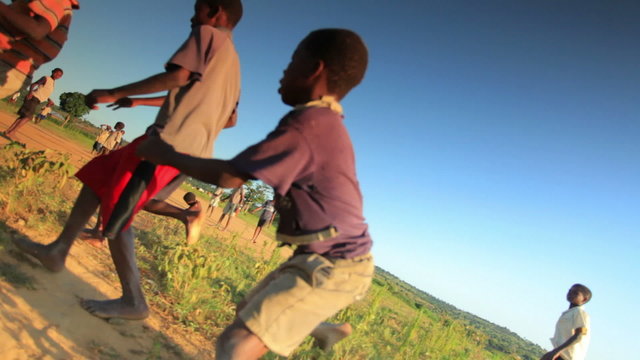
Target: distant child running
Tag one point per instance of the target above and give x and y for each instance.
(309, 161)
(44, 112)
(39, 92)
(215, 199)
(105, 130)
(573, 329)
(203, 80)
(235, 200)
(267, 216)
(113, 140)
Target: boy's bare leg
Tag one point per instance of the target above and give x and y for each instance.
(228, 222)
(327, 334)
(53, 255)
(192, 217)
(94, 236)
(221, 218)
(132, 305)
(238, 342)
(17, 124)
(256, 232)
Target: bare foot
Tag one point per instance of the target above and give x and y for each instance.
(194, 223)
(326, 334)
(93, 237)
(51, 259)
(115, 308)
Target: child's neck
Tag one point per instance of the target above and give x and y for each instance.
(329, 101)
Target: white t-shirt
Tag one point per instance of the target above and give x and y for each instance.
(114, 138)
(574, 318)
(43, 91)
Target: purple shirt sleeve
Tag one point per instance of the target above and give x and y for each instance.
(279, 160)
(196, 52)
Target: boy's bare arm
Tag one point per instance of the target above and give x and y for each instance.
(33, 27)
(212, 171)
(576, 337)
(128, 102)
(34, 85)
(168, 80)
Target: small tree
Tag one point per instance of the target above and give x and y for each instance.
(257, 192)
(73, 104)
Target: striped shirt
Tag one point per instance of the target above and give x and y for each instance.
(25, 54)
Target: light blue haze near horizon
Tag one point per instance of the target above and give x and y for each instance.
(497, 142)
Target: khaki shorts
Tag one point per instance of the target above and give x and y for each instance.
(304, 291)
(11, 80)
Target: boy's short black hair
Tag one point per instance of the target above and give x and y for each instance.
(584, 291)
(233, 8)
(189, 197)
(119, 124)
(57, 69)
(344, 54)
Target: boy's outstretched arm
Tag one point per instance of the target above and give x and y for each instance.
(212, 171)
(128, 102)
(33, 27)
(35, 85)
(175, 77)
(575, 338)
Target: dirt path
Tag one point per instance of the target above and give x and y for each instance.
(47, 323)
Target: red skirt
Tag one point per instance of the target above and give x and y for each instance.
(108, 175)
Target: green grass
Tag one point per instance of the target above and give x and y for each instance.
(74, 132)
(68, 132)
(13, 275)
(201, 194)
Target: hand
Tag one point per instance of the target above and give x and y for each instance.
(154, 150)
(99, 96)
(124, 102)
(551, 355)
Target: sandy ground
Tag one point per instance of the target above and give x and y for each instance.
(47, 322)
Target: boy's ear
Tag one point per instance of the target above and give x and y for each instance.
(318, 69)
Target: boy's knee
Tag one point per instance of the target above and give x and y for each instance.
(237, 341)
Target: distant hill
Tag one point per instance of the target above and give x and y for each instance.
(498, 338)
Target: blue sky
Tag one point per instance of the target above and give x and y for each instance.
(497, 142)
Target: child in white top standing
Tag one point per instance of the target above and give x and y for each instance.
(573, 329)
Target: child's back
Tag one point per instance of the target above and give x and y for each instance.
(192, 116)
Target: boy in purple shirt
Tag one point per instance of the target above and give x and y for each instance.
(309, 161)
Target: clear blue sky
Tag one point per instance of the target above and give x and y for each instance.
(497, 142)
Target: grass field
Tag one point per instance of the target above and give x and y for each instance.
(200, 285)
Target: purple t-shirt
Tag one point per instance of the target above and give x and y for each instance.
(309, 161)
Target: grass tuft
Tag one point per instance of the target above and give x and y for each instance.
(16, 277)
